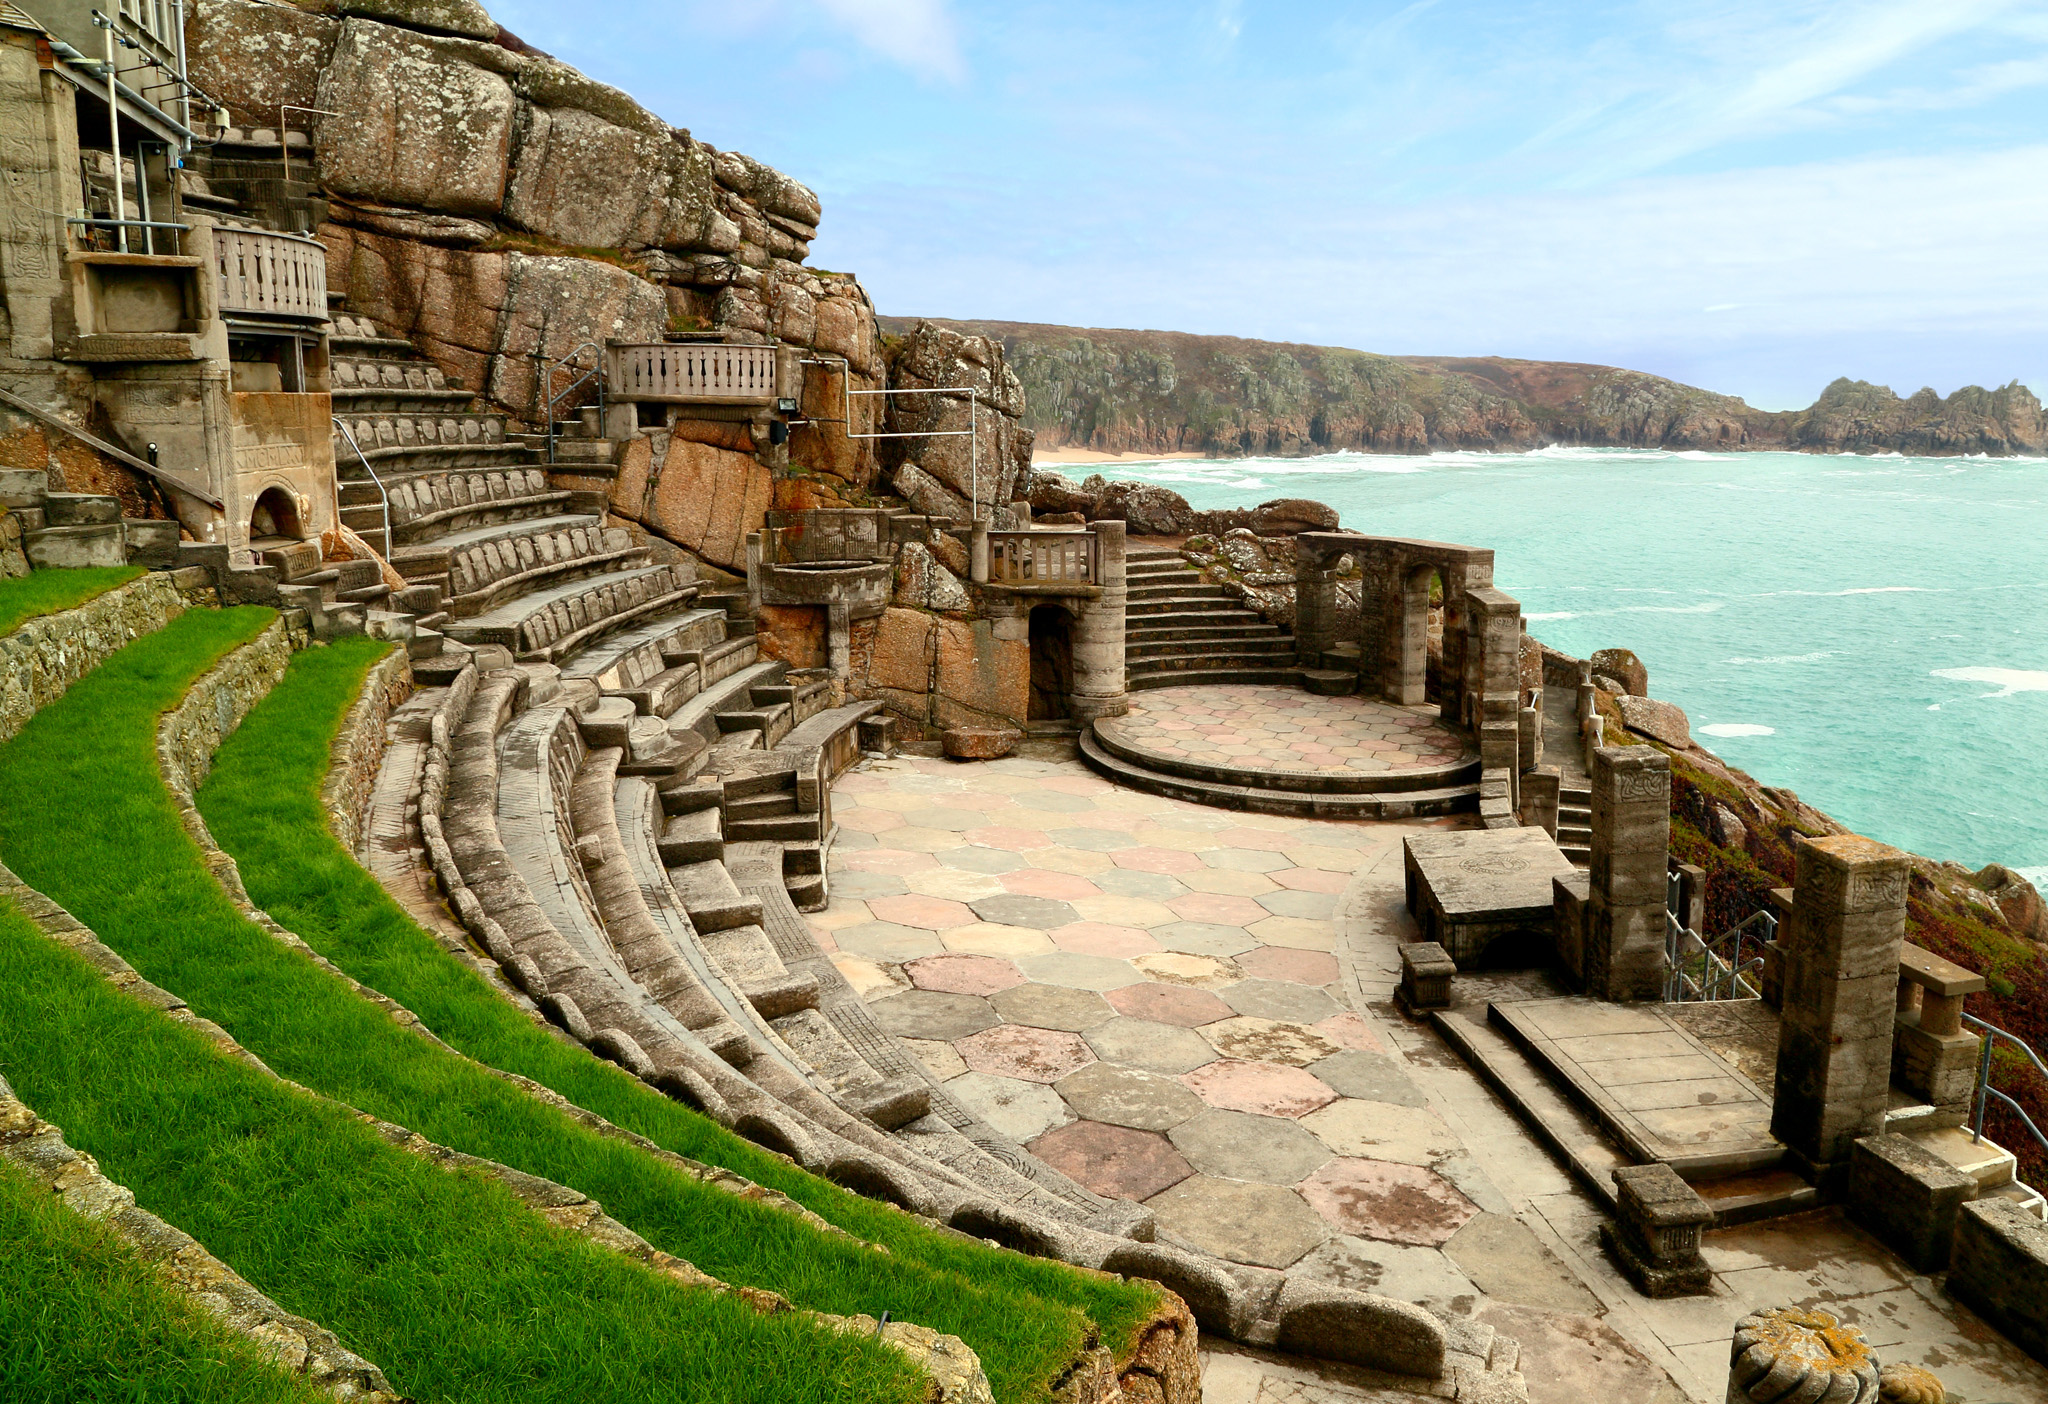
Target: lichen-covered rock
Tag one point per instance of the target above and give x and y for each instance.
(928, 495)
(1625, 668)
(1660, 721)
(1145, 508)
(984, 466)
(425, 122)
(591, 183)
(923, 583)
(257, 57)
(1287, 516)
(463, 17)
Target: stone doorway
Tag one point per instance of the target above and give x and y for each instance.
(275, 517)
(1052, 663)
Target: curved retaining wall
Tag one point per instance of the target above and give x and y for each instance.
(358, 750)
(42, 659)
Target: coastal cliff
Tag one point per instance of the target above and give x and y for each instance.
(1152, 392)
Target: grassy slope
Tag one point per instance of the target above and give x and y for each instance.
(86, 1321)
(445, 1280)
(262, 804)
(48, 591)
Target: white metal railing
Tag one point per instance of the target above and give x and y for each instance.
(383, 493)
(1700, 967)
(276, 275)
(1043, 558)
(702, 371)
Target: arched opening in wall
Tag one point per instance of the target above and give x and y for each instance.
(1052, 663)
(1433, 670)
(1421, 636)
(276, 517)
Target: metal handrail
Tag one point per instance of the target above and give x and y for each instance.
(972, 433)
(1985, 1091)
(382, 491)
(1722, 976)
(555, 397)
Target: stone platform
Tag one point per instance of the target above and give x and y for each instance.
(1659, 1091)
(1468, 889)
(1282, 750)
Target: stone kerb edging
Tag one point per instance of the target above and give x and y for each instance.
(294, 1344)
(1254, 1305)
(188, 736)
(358, 750)
(42, 659)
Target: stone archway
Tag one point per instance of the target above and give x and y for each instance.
(275, 515)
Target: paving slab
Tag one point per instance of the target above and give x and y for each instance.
(1127, 1096)
(1269, 1089)
(933, 1014)
(1113, 1160)
(1052, 1007)
(1030, 1054)
(1242, 1146)
(1152, 1046)
(1021, 1110)
(1391, 1202)
(1264, 1225)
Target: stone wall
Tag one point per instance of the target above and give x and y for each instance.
(42, 659)
(191, 732)
(358, 750)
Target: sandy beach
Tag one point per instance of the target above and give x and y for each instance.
(1055, 457)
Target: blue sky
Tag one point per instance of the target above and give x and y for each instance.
(1752, 195)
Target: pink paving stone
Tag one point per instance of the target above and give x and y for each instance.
(1269, 839)
(869, 821)
(1156, 860)
(931, 913)
(1103, 939)
(861, 785)
(1014, 839)
(964, 974)
(1113, 1160)
(883, 860)
(1288, 963)
(1350, 1031)
(1169, 1004)
(1025, 1053)
(1267, 1089)
(1076, 784)
(1311, 879)
(1217, 907)
(1389, 1202)
(1043, 882)
(827, 942)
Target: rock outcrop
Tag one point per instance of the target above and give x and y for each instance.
(979, 450)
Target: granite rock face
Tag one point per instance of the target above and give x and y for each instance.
(1660, 721)
(984, 466)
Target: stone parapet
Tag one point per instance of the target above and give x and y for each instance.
(1908, 1196)
(1998, 1264)
(358, 749)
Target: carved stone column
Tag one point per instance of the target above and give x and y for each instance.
(1099, 681)
(1624, 955)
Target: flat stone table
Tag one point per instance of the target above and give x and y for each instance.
(1467, 889)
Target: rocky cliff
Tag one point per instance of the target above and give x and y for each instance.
(1170, 392)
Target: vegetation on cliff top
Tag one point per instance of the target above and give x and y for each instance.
(1172, 392)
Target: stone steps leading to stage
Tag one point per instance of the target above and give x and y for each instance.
(1181, 630)
(1458, 798)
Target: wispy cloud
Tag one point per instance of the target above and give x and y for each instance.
(918, 34)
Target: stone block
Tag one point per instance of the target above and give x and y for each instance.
(1907, 1196)
(1426, 971)
(1660, 721)
(1998, 1265)
(1335, 1323)
(1568, 907)
(1655, 1237)
(23, 487)
(878, 734)
(979, 742)
(1939, 1068)
(1624, 668)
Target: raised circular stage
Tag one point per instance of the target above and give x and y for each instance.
(1284, 750)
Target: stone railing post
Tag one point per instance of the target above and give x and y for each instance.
(1624, 957)
(1099, 681)
(1841, 972)
(1315, 603)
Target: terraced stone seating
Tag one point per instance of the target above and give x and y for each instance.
(412, 442)
(543, 625)
(486, 565)
(434, 505)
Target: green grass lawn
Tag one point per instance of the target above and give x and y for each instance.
(84, 1320)
(49, 591)
(445, 1280)
(1022, 1315)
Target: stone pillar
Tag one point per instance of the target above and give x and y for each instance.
(1315, 603)
(1379, 622)
(1099, 685)
(1788, 1353)
(1494, 658)
(1624, 958)
(839, 638)
(1540, 789)
(1655, 1233)
(1841, 975)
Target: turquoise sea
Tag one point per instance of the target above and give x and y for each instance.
(1869, 631)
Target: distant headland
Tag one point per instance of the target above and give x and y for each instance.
(1155, 393)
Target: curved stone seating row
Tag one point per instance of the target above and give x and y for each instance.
(363, 374)
(383, 433)
(542, 625)
(487, 565)
(432, 506)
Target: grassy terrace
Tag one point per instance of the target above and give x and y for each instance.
(1025, 1317)
(88, 1322)
(445, 1280)
(49, 591)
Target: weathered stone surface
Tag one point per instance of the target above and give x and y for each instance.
(1335, 1323)
(979, 742)
(1660, 721)
(928, 495)
(1146, 509)
(463, 17)
(1786, 1353)
(1286, 516)
(1625, 668)
(42, 659)
(923, 583)
(1909, 1384)
(596, 184)
(985, 466)
(1166, 1368)
(256, 57)
(423, 122)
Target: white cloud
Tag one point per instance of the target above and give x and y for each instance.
(918, 34)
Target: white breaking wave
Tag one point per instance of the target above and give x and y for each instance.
(2009, 681)
(1738, 729)
(1704, 607)
(1784, 658)
(2037, 876)
(1554, 614)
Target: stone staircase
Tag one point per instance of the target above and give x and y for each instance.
(1992, 1166)
(1181, 631)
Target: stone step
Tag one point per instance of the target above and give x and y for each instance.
(700, 712)
(1168, 647)
(1991, 1165)
(71, 547)
(1209, 661)
(784, 828)
(1178, 603)
(761, 806)
(773, 722)
(1306, 804)
(78, 509)
(1148, 629)
(1224, 771)
(694, 837)
(1177, 590)
(1212, 677)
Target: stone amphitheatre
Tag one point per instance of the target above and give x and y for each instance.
(580, 823)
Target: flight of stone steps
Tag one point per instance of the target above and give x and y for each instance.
(1180, 630)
